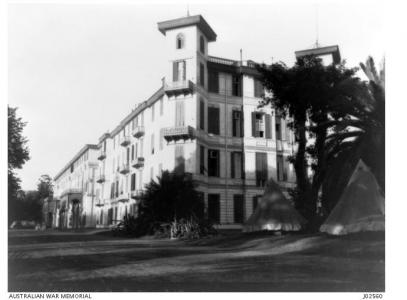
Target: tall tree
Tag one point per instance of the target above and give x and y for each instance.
(45, 186)
(18, 153)
(309, 93)
(357, 133)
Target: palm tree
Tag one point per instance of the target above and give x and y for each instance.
(357, 132)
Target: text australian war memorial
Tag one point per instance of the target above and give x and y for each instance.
(204, 120)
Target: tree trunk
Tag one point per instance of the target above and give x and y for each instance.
(300, 163)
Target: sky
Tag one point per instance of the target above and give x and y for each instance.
(76, 70)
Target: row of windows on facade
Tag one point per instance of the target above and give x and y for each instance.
(180, 42)
(213, 211)
(79, 161)
(119, 187)
(218, 82)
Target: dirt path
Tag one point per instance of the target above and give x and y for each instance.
(83, 262)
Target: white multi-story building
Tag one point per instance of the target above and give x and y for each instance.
(204, 119)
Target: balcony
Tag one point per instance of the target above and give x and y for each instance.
(136, 194)
(138, 131)
(179, 87)
(124, 169)
(178, 133)
(123, 197)
(102, 155)
(101, 178)
(99, 203)
(125, 141)
(138, 162)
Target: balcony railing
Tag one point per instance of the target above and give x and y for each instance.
(179, 87)
(123, 197)
(124, 169)
(99, 203)
(178, 133)
(125, 141)
(136, 194)
(102, 155)
(100, 178)
(138, 131)
(138, 162)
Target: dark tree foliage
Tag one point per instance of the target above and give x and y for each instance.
(45, 187)
(172, 196)
(314, 95)
(27, 206)
(18, 154)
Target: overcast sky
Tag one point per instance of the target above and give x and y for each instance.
(75, 71)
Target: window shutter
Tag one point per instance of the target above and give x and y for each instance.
(202, 115)
(232, 164)
(254, 131)
(268, 126)
(184, 70)
(175, 71)
(213, 120)
(283, 129)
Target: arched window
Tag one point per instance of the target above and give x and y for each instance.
(180, 41)
(202, 44)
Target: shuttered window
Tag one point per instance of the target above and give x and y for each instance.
(178, 71)
(237, 86)
(261, 169)
(202, 160)
(152, 143)
(238, 208)
(202, 74)
(133, 182)
(237, 123)
(225, 84)
(213, 81)
(213, 120)
(237, 165)
(213, 163)
(214, 208)
(258, 89)
(179, 113)
(202, 44)
(281, 168)
(179, 159)
(268, 126)
(258, 124)
(202, 114)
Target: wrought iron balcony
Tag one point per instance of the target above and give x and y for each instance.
(123, 197)
(136, 194)
(102, 155)
(101, 178)
(138, 131)
(179, 87)
(125, 141)
(138, 162)
(124, 169)
(178, 133)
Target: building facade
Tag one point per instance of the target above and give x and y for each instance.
(205, 120)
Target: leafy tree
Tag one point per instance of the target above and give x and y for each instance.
(310, 93)
(357, 133)
(18, 154)
(172, 196)
(45, 187)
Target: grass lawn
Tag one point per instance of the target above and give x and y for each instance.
(90, 261)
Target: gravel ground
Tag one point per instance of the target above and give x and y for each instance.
(95, 261)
